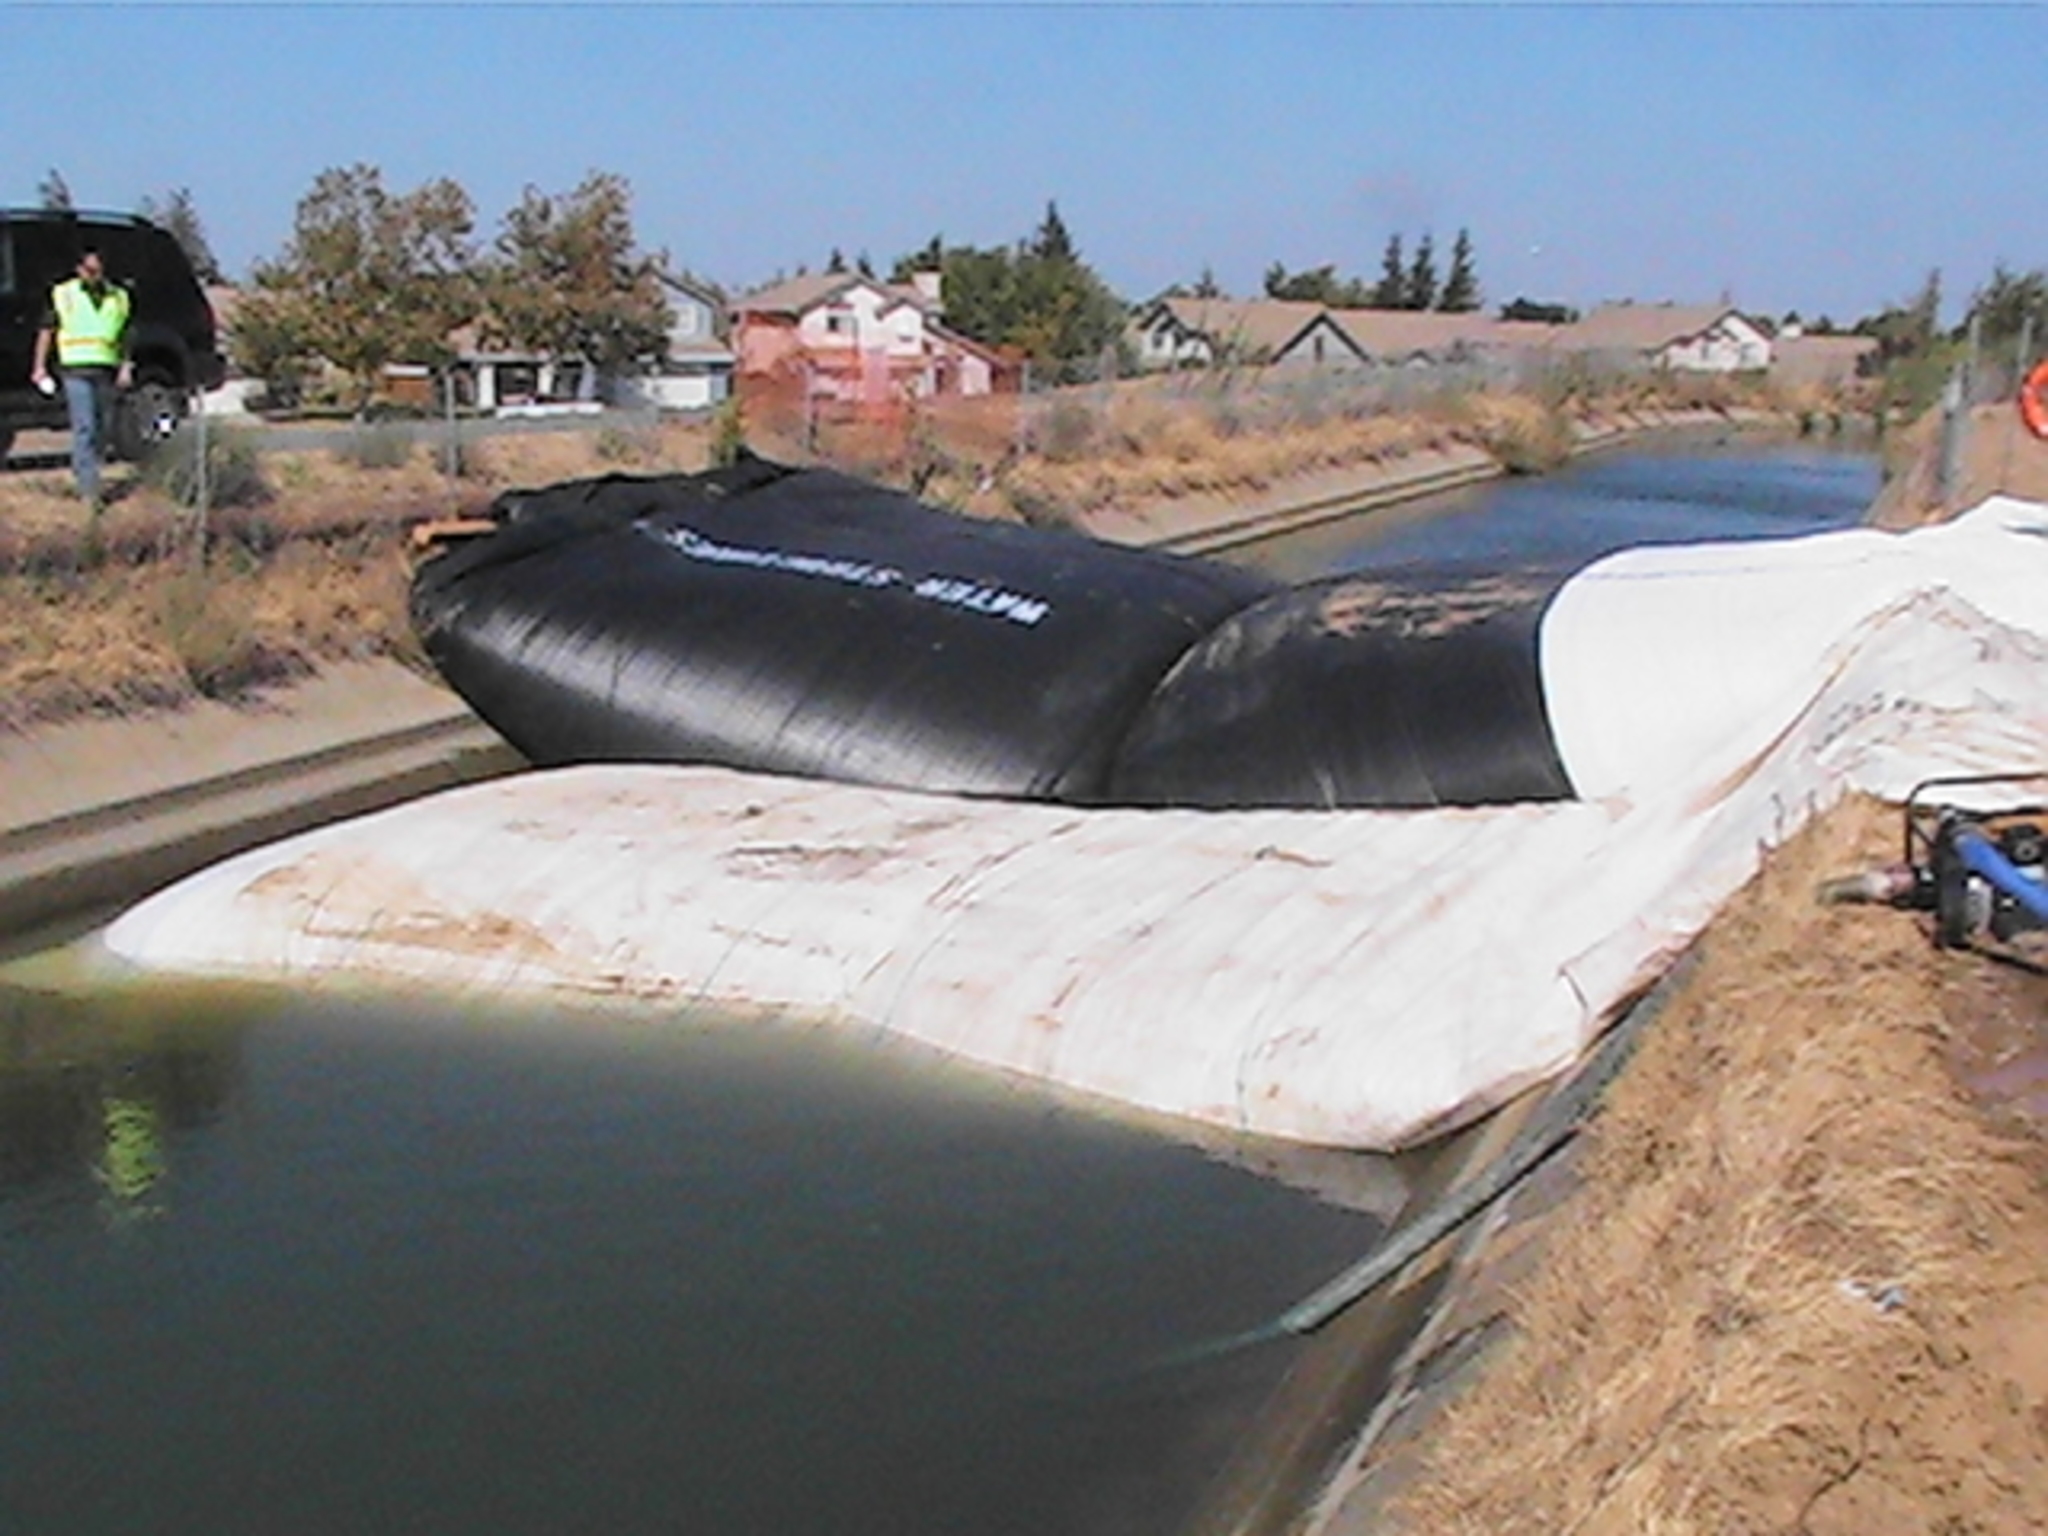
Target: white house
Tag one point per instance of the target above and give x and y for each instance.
(695, 369)
(1685, 338)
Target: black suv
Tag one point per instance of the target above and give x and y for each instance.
(171, 337)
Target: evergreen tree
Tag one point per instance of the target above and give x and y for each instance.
(1037, 296)
(1206, 286)
(1392, 288)
(1052, 242)
(1926, 310)
(1420, 292)
(54, 192)
(836, 262)
(931, 259)
(1461, 285)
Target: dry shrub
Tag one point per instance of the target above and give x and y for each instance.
(209, 618)
(1524, 435)
(72, 647)
(378, 445)
(1067, 431)
(1800, 1287)
(233, 471)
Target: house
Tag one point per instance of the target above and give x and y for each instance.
(235, 393)
(1184, 332)
(1196, 333)
(1685, 338)
(1394, 338)
(695, 369)
(856, 340)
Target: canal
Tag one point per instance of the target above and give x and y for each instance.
(278, 1263)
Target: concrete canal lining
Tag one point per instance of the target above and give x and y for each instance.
(96, 813)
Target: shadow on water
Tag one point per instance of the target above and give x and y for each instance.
(283, 1264)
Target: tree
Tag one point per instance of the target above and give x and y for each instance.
(1910, 330)
(1317, 285)
(1420, 292)
(2009, 305)
(1206, 286)
(1037, 296)
(568, 279)
(836, 262)
(1460, 294)
(1391, 292)
(268, 342)
(177, 215)
(1052, 243)
(370, 278)
(54, 193)
(932, 258)
(1538, 311)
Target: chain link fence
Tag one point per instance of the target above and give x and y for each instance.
(1065, 412)
(1989, 371)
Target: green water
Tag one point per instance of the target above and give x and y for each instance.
(302, 1266)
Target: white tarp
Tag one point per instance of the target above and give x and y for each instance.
(1350, 978)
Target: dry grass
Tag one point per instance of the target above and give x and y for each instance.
(138, 613)
(1801, 1286)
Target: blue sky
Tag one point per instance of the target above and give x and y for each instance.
(1812, 157)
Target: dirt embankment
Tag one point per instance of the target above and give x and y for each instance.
(1802, 1282)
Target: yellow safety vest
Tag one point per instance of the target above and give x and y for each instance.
(89, 333)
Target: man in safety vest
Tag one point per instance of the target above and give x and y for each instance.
(87, 318)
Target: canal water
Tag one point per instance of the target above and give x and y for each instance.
(276, 1263)
(1682, 492)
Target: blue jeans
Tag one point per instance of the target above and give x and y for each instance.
(88, 394)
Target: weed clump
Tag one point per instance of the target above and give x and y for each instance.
(230, 474)
(378, 445)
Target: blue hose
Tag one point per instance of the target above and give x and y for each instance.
(1981, 856)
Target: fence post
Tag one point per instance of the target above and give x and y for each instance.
(451, 453)
(1954, 414)
(2022, 361)
(204, 487)
(1022, 436)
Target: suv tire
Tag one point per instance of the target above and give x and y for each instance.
(145, 416)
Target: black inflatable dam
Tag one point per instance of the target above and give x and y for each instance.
(804, 622)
